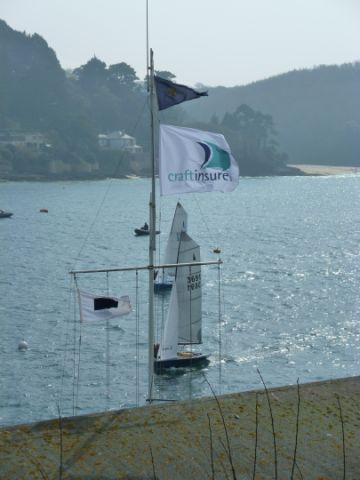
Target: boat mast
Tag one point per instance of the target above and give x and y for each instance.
(152, 224)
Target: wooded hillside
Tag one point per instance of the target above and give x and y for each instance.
(312, 115)
(316, 112)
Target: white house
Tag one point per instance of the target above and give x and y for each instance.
(118, 141)
(34, 141)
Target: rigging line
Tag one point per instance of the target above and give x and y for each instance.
(78, 370)
(107, 191)
(79, 354)
(60, 393)
(219, 320)
(191, 339)
(107, 350)
(210, 234)
(159, 239)
(137, 318)
(160, 325)
(74, 359)
(147, 46)
(223, 304)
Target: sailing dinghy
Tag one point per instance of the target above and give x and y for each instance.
(165, 278)
(183, 321)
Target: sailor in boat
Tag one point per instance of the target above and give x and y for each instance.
(144, 230)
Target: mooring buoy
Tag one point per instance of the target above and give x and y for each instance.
(23, 345)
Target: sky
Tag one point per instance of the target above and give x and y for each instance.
(212, 42)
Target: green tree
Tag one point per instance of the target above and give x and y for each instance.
(93, 74)
(253, 138)
(122, 73)
(165, 74)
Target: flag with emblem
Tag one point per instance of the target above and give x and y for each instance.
(170, 93)
(195, 161)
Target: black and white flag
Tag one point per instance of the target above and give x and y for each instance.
(97, 307)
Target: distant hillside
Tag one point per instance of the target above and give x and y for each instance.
(316, 112)
(50, 121)
(31, 79)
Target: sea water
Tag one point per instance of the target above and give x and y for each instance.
(287, 303)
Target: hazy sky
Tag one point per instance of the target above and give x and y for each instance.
(215, 42)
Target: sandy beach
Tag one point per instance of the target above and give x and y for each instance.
(326, 169)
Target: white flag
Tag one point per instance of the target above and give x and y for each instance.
(195, 161)
(97, 307)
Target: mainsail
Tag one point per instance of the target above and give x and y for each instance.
(179, 224)
(188, 285)
(183, 321)
(169, 342)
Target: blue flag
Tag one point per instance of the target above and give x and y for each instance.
(170, 93)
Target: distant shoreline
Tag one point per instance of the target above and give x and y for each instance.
(325, 169)
(290, 170)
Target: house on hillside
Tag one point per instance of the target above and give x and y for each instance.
(34, 141)
(119, 141)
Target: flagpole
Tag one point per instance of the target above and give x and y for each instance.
(152, 223)
(147, 46)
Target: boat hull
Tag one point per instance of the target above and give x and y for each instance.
(5, 214)
(162, 287)
(139, 232)
(193, 360)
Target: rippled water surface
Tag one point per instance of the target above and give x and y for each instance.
(289, 290)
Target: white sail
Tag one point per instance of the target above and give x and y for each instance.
(168, 346)
(188, 287)
(179, 224)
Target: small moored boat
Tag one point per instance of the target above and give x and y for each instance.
(142, 231)
(4, 214)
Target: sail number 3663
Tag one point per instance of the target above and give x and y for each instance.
(194, 281)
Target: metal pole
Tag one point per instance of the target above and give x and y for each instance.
(107, 350)
(147, 46)
(152, 223)
(146, 267)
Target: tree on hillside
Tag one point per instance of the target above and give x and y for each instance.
(93, 74)
(312, 108)
(253, 138)
(256, 129)
(31, 81)
(165, 74)
(122, 73)
(121, 79)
